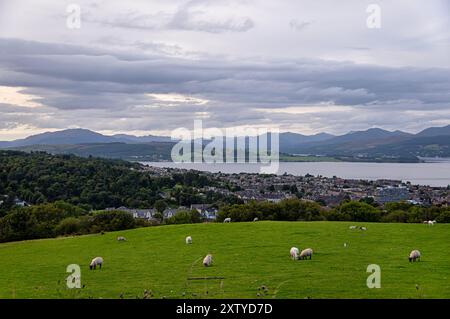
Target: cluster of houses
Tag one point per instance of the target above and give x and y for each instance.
(254, 194)
(207, 212)
(392, 194)
(329, 191)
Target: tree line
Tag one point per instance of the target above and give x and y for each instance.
(358, 211)
(60, 219)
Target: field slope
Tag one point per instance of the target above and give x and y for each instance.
(247, 256)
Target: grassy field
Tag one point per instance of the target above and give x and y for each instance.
(247, 256)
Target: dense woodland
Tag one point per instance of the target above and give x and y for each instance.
(93, 183)
(68, 195)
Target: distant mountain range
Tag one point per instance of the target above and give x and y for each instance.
(81, 136)
(378, 143)
(372, 144)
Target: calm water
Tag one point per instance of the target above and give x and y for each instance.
(433, 174)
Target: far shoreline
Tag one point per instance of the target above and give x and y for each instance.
(323, 159)
(432, 174)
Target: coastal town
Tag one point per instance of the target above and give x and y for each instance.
(329, 192)
(246, 187)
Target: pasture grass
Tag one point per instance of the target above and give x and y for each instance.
(251, 260)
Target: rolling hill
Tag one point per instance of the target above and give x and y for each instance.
(377, 143)
(152, 151)
(370, 145)
(246, 257)
(435, 131)
(351, 141)
(80, 136)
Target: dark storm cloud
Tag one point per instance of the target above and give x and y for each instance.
(113, 86)
(304, 82)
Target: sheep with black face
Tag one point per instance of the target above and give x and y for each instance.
(97, 261)
(207, 261)
(308, 252)
(414, 255)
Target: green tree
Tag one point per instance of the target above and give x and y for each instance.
(160, 206)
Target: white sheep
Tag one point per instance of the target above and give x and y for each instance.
(97, 261)
(121, 238)
(414, 255)
(294, 253)
(207, 261)
(352, 227)
(308, 252)
(227, 220)
(188, 240)
(431, 222)
(363, 228)
(255, 219)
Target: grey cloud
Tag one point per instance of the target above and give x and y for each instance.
(149, 47)
(102, 90)
(299, 25)
(190, 16)
(305, 81)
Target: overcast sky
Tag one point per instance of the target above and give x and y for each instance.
(148, 67)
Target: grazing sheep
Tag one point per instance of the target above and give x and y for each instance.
(294, 253)
(363, 228)
(188, 240)
(431, 222)
(121, 238)
(255, 219)
(414, 255)
(227, 220)
(308, 252)
(97, 261)
(352, 227)
(207, 261)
